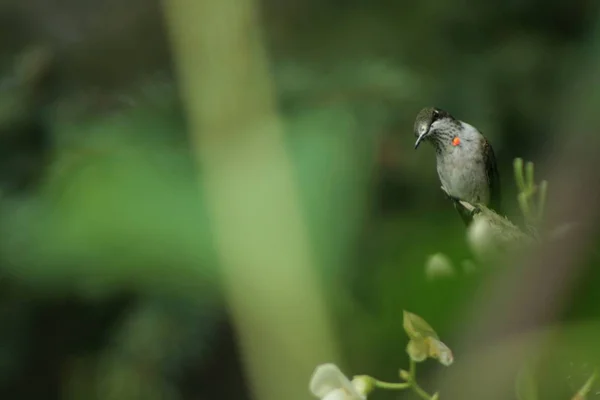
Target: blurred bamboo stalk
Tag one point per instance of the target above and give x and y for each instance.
(259, 231)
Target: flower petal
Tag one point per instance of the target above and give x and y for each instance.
(439, 351)
(336, 394)
(417, 350)
(363, 384)
(327, 379)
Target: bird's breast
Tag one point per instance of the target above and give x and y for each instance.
(463, 175)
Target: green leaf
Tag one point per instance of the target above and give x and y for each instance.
(519, 178)
(416, 327)
(529, 175)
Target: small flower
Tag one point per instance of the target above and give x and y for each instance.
(329, 383)
(438, 265)
(417, 350)
(424, 341)
(439, 351)
(363, 384)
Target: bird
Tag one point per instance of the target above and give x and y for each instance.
(466, 163)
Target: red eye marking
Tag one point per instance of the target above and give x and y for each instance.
(456, 141)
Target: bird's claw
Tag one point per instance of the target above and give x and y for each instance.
(472, 211)
(476, 210)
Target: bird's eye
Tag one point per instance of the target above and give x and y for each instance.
(422, 129)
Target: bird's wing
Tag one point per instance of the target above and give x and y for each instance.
(493, 177)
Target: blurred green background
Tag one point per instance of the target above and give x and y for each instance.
(110, 282)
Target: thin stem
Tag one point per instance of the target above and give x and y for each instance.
(392, 385)
(419, 391)
(413, 370)
(413, 382)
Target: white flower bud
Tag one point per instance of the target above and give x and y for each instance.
(363, 384)
(438, 265)
(480, 237)
(329, 383)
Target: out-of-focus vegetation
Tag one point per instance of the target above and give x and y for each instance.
(112, 276)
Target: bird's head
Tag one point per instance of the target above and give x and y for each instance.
(431, 123)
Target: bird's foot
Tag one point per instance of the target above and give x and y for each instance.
(471, 209)
(476, 210)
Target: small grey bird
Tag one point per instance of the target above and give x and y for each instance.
(466, 164)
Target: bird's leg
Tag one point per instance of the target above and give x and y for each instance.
(472, 209)
(476, 210)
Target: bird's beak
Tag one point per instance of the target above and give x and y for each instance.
(419, 139)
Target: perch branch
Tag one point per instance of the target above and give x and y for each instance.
(502, 230)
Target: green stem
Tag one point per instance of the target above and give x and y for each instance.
(413, 381)
(413, 370)
(392, 385)
(420, 392)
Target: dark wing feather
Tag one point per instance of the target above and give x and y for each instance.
(493, 177)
